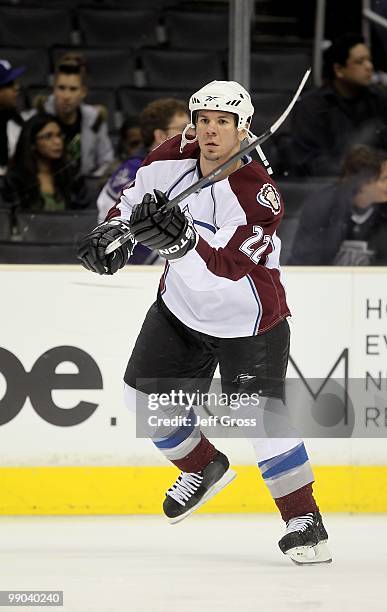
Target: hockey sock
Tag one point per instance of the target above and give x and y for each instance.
(198, 458)
(298, 503)
(288, 475)
(173, 430)
(185, 446)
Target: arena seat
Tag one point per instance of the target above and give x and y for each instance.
(55, 227)
(142, 4)
(278, 71)
(5, 224)
(35, 60)
(72, 4)
(183, 29)
(37, 253)
(118, 28)
(132, 101)
(268, 107)
(35, 26)
(165, 67)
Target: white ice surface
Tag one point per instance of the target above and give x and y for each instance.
(204, 564)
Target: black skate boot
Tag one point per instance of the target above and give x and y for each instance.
(305, 540)
(192, 490)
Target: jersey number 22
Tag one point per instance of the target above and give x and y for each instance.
(247, 247)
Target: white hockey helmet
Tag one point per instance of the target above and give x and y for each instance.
(227, 96)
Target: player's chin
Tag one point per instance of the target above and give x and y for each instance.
(211, 156)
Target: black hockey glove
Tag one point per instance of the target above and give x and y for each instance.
(91, 248)
(167, 232)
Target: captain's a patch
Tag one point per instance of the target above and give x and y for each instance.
(268, 196)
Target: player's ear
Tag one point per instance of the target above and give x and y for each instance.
(242, 134)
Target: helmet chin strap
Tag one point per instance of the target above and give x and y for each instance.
(250, 137)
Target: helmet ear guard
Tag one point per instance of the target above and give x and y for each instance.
(184, 140)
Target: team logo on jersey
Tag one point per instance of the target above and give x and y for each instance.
(268, 196)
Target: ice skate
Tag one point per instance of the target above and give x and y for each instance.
(192, 490)
(305, 541)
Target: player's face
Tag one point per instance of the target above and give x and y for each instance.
(376, 191)
(68, 93)
(49, 141)
(358, 69)
(217, 135)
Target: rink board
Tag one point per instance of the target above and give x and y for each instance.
(67, 442)
(141, 490)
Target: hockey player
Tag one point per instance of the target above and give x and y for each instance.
(220, 301)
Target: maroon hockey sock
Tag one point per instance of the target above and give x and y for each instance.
(198, 458)
(298, 503)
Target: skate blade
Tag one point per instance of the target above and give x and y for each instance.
(306, 555)
(216, 487)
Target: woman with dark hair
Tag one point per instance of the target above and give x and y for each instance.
(346, 222)
(40, 177)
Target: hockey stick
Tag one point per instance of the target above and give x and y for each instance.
(206, 180)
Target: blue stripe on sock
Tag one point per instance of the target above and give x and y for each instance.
(298, 457)
(180, 434)
(274, 460)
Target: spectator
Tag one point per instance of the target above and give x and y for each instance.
(10, 119)
(346, 111)
(129, 145)
(346, 223)
(130, 139)
(160, 120)
(40, 177)
(84, 126)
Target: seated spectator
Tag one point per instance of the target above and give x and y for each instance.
(346, 111)
(129, 145)
(346, 223)
(40, 176)
(84, 125)
(130, 139)
(10, 119)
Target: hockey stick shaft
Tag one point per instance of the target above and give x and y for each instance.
(206, 180)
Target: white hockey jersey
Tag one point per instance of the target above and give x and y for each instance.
(229, 285)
